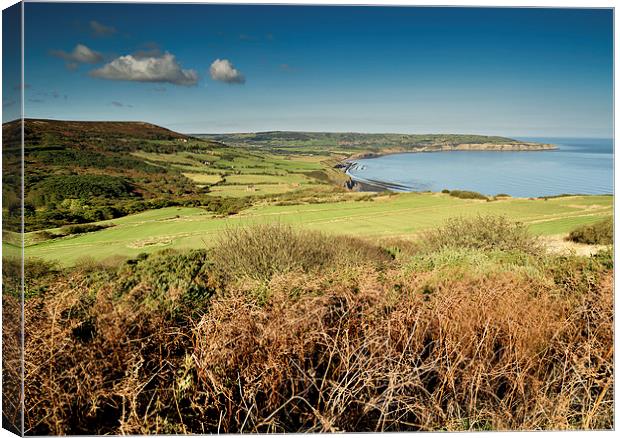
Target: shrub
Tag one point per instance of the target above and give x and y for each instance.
(260, 251)
(481, 232)
(465, 194)
(464, 261)
(173, 282)
(445, 191)
(41, 236)
(225, 206)
(599, 233)
(81, 229)
(38, 273)
(90, 356)
(364, 198)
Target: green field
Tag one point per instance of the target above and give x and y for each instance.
(401, 215)
(203, 178)
(240, 172)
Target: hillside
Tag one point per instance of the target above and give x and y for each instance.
(80, 172)
(470, 326)
(85, 171)
(36, 130)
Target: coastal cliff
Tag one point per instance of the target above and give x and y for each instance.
(499, 147)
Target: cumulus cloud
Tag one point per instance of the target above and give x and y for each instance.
(223, 70)
(79, 55)
(101, 30)
(164, 68)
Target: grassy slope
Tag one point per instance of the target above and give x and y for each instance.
(396, 215)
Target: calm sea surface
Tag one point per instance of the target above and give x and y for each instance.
(583, 166)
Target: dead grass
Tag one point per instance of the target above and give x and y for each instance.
(11, 362)
(11, 343)
(460, 339)
(482, 353)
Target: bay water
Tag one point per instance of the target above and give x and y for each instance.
(578, 166)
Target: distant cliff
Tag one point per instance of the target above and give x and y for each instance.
(499, 147)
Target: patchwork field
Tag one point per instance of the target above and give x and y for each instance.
(387, 215)
(241, 173)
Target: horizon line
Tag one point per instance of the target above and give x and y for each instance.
(509, 136)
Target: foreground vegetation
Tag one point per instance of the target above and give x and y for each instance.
(472, 326)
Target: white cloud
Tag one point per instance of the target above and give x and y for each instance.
(80, 54)
(99, 29)
(164, 68)
(223, 70)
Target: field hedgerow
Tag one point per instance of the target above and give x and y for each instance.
(466, 194)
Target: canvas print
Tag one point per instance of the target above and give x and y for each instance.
(228, 218)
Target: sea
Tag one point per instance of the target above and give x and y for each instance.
(578, 166)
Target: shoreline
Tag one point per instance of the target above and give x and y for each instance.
(374, 186)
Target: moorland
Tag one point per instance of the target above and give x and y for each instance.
(244, 283)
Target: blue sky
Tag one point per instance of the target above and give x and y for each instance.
(516, 72)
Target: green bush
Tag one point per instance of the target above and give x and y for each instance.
(172, 281)
(481, 232)
(465, 194)
(599, 233)
(260, 251)
(38, 273)
(225, 206)
(81, 229)
(576, 274)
